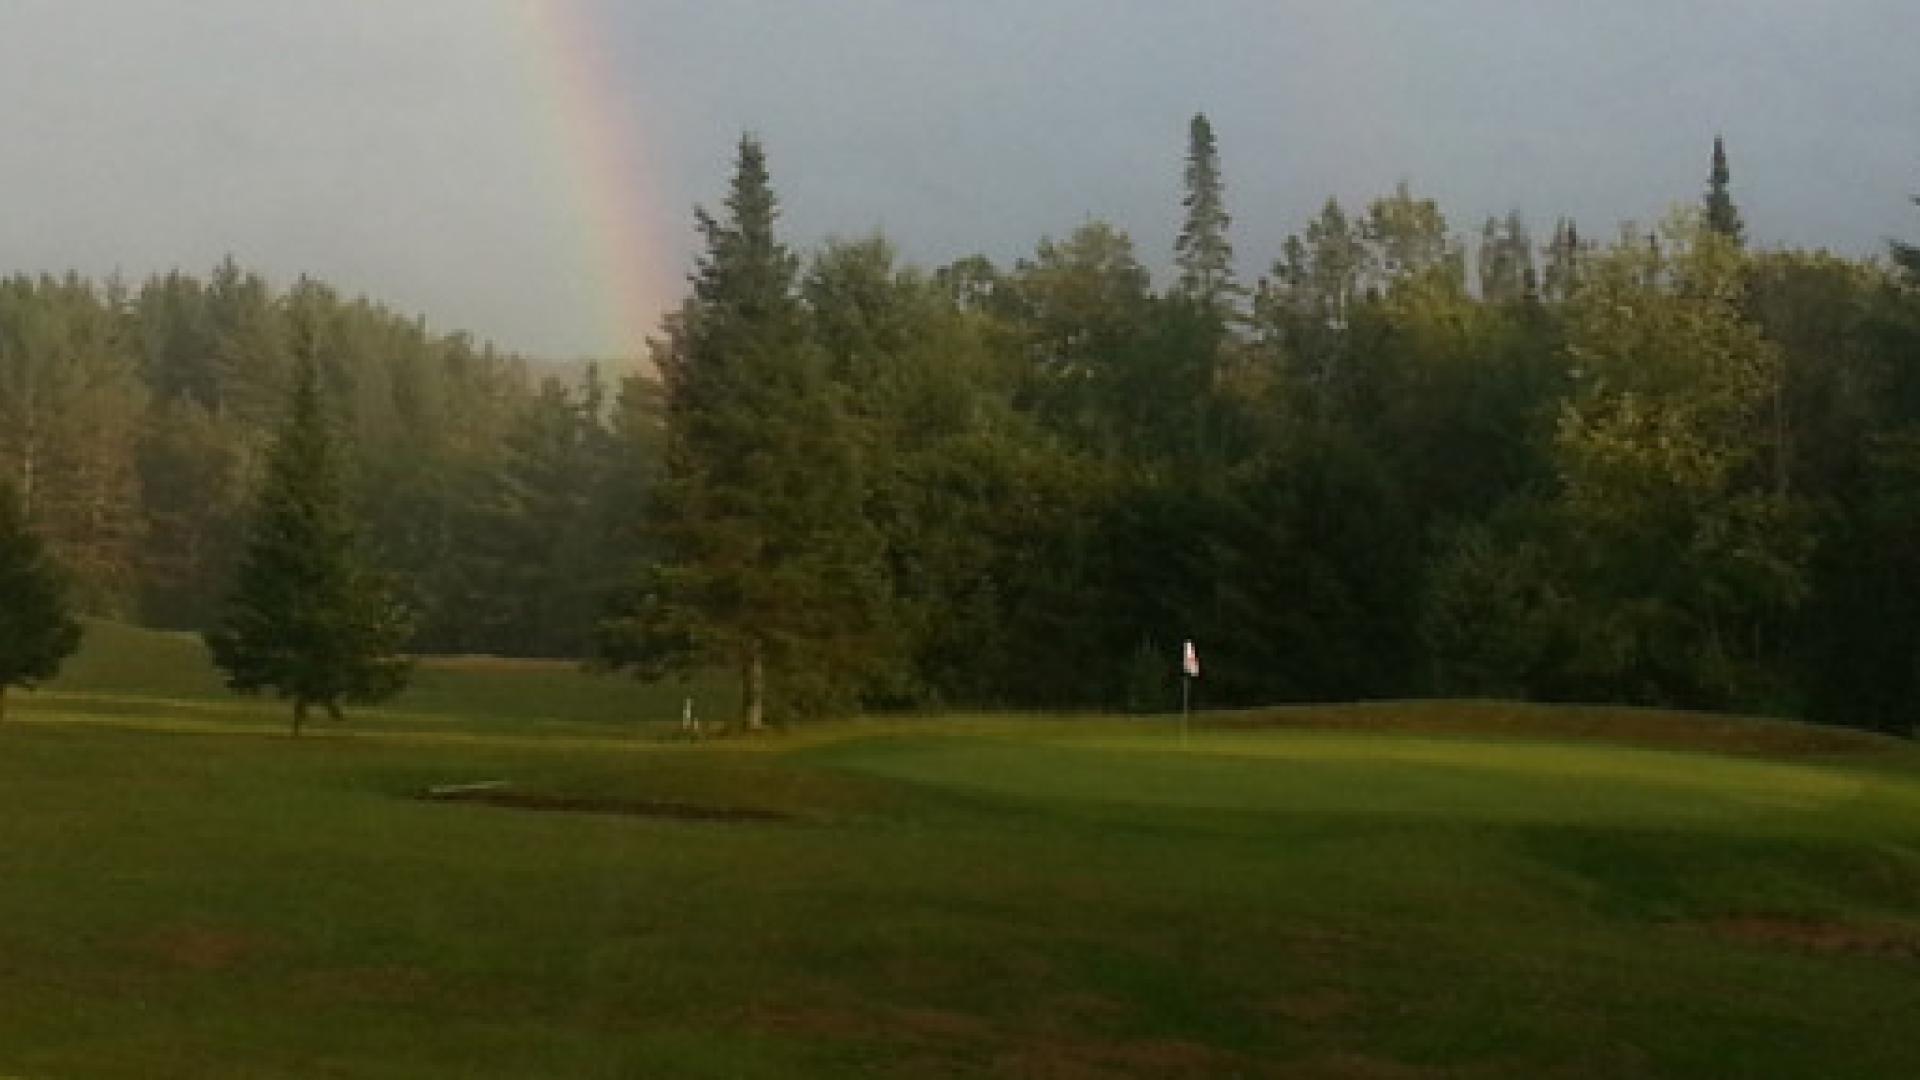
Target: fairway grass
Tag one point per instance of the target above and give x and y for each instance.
(185, 891)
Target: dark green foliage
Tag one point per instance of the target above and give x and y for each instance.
(1078, 307)
(191, 484)
(1202, 250)
(1492, 621)
(1560, 278)
(1906, 256)
(1722, 216)
(307, 618)
(1506, 261)
(37, 630)
(1153, 674)
(1858, 643)
(766, 562)
(541, 534)
(1860, 648)
(1667, 471)
(1316, 586)
(70, 405)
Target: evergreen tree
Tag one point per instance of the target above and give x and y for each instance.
(537, 540)
(36, 630)
(1722, 216)
(306, 618)
(1907, 256)
(1560, 279)
(1316, 283)
(70, 403)
(767, 563)
(1202, 251)
(1506, 259)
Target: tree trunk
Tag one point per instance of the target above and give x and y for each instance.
(299, 715)
(333, 711)
(753, 688)
(3, 702)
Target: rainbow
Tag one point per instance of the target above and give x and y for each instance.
(616, 213)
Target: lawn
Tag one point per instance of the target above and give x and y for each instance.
(1399, 890)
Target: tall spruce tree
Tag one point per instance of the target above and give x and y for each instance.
(307, 618)
(1202, 250)
(1560, 277)
(36, 630)
(1722, 216)
(1506, 260)
(766, 561)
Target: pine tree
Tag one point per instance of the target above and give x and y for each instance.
(766, 561)
(70, 405)
(1506, 259)
(1722, 216)
(1202, 251)
(36, 630)
(306, 618)
(536, 537)
(1906, 256)
(1560, 278)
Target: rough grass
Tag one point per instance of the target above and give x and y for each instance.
(1472, 890)
(124, 669)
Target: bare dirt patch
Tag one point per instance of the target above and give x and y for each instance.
(588, 804)
(1822, 936)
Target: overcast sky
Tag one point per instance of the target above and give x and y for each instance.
(408, 149)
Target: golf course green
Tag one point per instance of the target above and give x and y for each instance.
(1386, 890)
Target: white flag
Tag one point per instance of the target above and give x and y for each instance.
(1190, 661)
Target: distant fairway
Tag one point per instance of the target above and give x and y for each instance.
(167, 673)
(1382, 891)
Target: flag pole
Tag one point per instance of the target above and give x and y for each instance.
(1189, 671)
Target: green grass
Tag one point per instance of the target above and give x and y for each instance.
(1394, 890)
(146, 673)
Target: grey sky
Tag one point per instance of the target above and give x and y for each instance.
(408, 149)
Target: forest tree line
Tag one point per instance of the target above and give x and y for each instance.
(134, 424)
(1665, 468)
